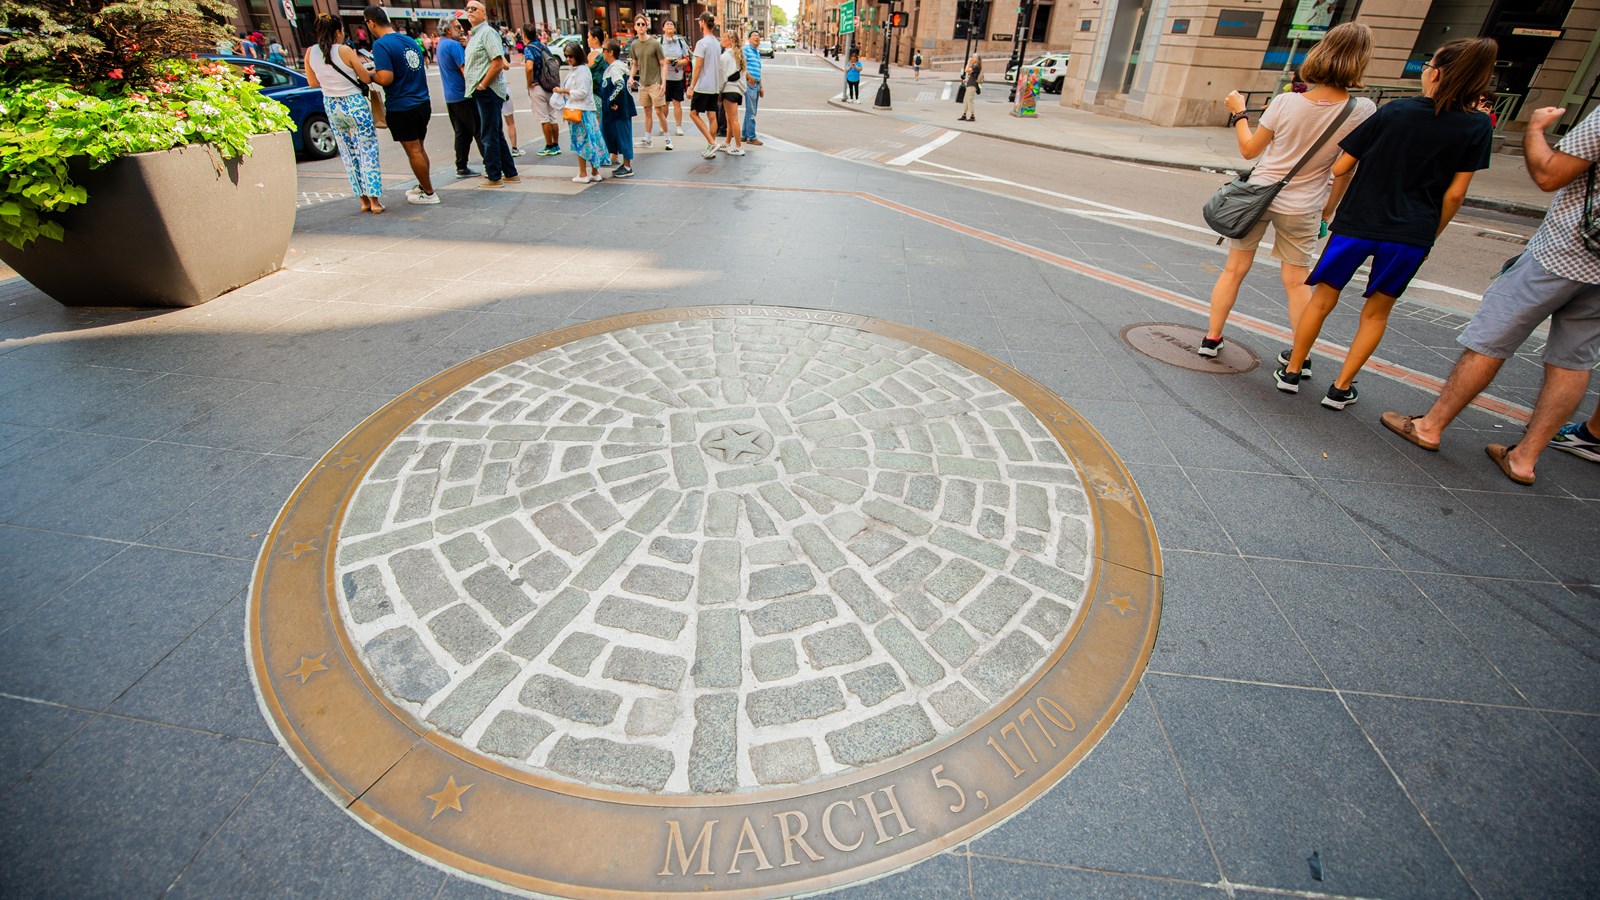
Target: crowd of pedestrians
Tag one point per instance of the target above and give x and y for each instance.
(1382, 184)
(594, 97)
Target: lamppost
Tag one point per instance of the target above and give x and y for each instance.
(894, 20)
(1019, 44)
(976, 19)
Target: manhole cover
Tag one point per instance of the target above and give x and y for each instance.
(729, 600)
(1175, 345)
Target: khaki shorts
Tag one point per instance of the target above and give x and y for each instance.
(1294, 236)
(542, 113)
(653, 95)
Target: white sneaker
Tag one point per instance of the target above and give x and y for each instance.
(720, 148)
(709, 152)
(422, 199)
(413, 193)
(736, 151)
(645, 142)
(669, 142)
(596, 177)
(580, 179)
(679, 132)
(518, 151)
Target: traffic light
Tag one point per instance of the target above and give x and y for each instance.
(899, 19)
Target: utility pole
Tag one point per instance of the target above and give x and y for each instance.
(1019, 44)
(975, 21)
(893, 20)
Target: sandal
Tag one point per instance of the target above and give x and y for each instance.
(1501, 454)
(376, 208)
(1403, 426)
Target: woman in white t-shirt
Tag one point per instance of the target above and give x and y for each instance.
(1291, 124)
(730, 68)
(336, 69)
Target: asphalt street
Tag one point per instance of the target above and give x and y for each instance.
(1150, 198)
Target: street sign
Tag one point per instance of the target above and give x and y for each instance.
(288, 11)
(847, 17)
(1312, 19)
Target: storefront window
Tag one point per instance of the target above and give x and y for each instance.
(964, 12)
(1304, 19)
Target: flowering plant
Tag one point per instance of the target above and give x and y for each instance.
(85, 82)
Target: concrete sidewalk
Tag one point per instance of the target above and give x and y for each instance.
(1505, 187)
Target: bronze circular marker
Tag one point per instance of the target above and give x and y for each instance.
(442, 798)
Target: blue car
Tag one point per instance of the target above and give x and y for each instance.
(313, 138)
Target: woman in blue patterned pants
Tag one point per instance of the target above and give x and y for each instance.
(337, 71)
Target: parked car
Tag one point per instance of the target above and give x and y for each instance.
(558, 44)
(1050, 69)
(313, 137)
(765, 49)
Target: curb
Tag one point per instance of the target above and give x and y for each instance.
(1492, 204)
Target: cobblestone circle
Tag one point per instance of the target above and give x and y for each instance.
(585, 564)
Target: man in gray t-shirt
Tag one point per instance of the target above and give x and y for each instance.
(676, 51)
(707, 83)
(1556, 278)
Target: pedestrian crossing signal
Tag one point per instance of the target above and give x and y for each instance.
(899, 19)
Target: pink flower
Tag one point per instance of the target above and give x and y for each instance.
(115, 73)
(137, 96)
(163, 88)
(249, 70)
(181, 114)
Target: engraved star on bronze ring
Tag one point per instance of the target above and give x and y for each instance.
(468, 811)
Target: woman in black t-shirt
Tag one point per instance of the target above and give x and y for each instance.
(1416, 159)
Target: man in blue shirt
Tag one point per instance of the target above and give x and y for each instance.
(400, 69)
(463, 111)
(753, 91)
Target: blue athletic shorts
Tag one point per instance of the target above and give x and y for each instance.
(1393, 264)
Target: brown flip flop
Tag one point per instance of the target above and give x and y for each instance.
(1501, 454)
(1402, 425)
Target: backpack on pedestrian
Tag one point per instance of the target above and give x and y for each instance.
(547, 70)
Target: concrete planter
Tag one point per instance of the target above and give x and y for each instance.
(169, 228)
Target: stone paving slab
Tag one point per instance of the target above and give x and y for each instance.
(1235, 648)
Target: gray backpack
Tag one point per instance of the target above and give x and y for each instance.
(1238, 205)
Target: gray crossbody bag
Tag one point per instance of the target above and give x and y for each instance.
(1238, 205)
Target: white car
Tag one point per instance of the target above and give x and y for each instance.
(1050, 69)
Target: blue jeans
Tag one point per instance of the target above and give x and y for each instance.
(752, 98)
(492, 136)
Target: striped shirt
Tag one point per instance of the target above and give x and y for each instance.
(1558, 244)
(752, 61)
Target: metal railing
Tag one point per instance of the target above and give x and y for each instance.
(1505, 105)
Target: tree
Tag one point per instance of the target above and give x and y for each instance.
(779, 17)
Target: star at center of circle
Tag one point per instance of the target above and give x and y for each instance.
(737, 444)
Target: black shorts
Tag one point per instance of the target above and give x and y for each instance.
(409, 124)
(675, 91)
(704, 102)
(735, 99)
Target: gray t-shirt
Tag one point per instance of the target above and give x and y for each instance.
(706, 54)
(676, 48)
(1557, 245)
(1296, 123)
